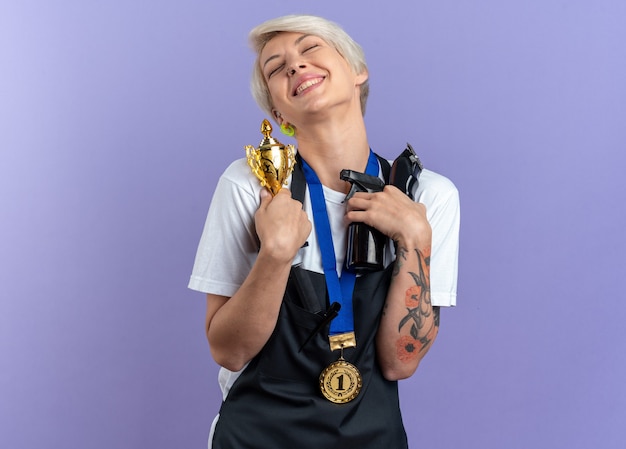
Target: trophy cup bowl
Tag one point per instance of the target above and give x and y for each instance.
(271, 162)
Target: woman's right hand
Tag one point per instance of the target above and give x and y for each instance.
(281, 225)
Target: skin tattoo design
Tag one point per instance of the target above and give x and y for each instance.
(419, 309)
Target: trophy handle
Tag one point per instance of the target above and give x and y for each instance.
(290, 160)
(253, 157)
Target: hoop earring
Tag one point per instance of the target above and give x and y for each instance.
(287, 129)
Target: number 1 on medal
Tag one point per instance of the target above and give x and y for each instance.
(340, 383)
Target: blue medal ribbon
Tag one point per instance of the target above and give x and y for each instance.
(340, 288)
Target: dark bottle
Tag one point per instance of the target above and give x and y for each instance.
(366, 245)
(366, 248)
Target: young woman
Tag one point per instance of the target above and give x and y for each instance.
(272, 267)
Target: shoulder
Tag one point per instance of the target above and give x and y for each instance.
(238, 171)
(434, 187)
(238, 180)
(430, 180)
(433, 184)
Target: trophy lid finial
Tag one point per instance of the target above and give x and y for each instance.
(266, 128)
(268, 140)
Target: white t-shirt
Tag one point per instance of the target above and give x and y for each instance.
(228, 246)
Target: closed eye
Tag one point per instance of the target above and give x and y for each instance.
(274, 71)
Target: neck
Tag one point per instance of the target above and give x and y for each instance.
(330, 147)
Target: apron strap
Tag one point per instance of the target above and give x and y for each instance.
(298, 182)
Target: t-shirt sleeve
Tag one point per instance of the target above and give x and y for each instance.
(441, 198)
(228, 245)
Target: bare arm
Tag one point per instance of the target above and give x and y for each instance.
(409, 323)
(238, 327)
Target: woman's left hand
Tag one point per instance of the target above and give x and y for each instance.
(394, 214)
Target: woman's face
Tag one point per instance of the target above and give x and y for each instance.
(305, 76)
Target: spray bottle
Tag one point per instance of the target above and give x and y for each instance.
(366, 245)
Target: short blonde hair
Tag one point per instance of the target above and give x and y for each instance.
(331, 32)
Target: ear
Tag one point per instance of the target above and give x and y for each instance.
(362, 77)
(277, 116)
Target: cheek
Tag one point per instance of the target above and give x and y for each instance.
(275, 88)
(278, 95)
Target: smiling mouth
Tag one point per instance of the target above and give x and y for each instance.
(302, 87)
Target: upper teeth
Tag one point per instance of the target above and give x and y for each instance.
(307, 84)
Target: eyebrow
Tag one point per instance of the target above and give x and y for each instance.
(296, 42)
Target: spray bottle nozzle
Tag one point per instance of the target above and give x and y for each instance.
(360, 182)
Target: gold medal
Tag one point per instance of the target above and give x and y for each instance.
(341, 381)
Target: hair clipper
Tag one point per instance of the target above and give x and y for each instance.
(405, 171)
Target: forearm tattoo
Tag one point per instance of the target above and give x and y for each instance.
(421, 318)
(400, 259)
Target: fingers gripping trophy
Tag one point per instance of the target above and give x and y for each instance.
(272, 162)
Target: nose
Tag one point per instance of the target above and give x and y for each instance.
(294, 68)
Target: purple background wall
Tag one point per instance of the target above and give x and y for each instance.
(117, 117)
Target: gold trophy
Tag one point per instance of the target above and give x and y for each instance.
(272, 162)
